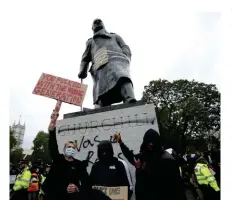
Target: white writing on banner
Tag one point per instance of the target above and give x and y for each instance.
(115, 193)
(89, 130)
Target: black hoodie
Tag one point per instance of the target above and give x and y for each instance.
(109, 171)
(62, 173)
(157, 175)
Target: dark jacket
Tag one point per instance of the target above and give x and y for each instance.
(111, 173)
(108, 75)
(62, 173)
(157, 175)
(13, 173)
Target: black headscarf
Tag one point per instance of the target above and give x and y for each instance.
(105, 151)
(151, 136)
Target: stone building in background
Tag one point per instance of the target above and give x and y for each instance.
(19, 131)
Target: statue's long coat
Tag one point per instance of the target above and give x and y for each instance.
(117, 56)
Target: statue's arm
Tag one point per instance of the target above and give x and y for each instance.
(125, 48)
(85, 60)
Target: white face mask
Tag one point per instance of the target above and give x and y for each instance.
(70, 152)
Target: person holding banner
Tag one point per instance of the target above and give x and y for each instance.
(68, 176)
(157, 172)
(110, 171)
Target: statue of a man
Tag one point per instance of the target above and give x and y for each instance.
(110, 58)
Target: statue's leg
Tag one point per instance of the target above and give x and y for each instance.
(102, 103)
(127, 93)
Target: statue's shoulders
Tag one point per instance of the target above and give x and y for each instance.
(114, 35)
(89, 41)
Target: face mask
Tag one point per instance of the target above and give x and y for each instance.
(70, 152)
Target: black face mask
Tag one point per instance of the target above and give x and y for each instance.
(105, 157)
(151, 137)
(105, 151)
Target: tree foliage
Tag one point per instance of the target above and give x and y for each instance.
(185, 109)
(13, 141)
(16, 152)
(41, 150)
(16, 155)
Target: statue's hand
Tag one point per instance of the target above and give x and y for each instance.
(82, 75)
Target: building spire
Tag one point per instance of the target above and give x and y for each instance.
(19, 119)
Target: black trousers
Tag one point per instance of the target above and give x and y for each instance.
(209, 193)
(33, 196)
(19, 195)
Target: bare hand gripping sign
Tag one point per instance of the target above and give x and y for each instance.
(88, 130)
(60, 89)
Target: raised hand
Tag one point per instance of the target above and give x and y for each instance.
(117, 137)
(54, 117)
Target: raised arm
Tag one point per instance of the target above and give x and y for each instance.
(85, 179)
(53, 147)
(125, 150)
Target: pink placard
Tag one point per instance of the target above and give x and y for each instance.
(60, 89)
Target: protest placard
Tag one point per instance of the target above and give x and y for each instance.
(115, 193)
(61, 89)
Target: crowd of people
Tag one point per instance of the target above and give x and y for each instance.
(160, 174)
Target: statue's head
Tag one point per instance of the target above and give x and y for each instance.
(97, 25)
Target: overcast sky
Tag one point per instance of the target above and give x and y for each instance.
(167, 42)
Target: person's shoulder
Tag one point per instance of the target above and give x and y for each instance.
(97, 163)
(120, 163)
(167, 156)
(78, 162)
(59, 159)
(114, 35)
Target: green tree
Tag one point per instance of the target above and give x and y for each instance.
(186, 110)
(16, 152)
(40, 148)
(16, 155)
(13, 141)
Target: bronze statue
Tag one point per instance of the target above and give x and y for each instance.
(110, 58)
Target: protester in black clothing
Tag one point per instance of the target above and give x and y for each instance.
(13, 173)
(47, 169)
(67, 177)
(157, 173)
(110, 171)
(212, 156)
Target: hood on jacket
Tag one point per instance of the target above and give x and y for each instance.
(201, 159)
(105, 151)
(151, 137)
